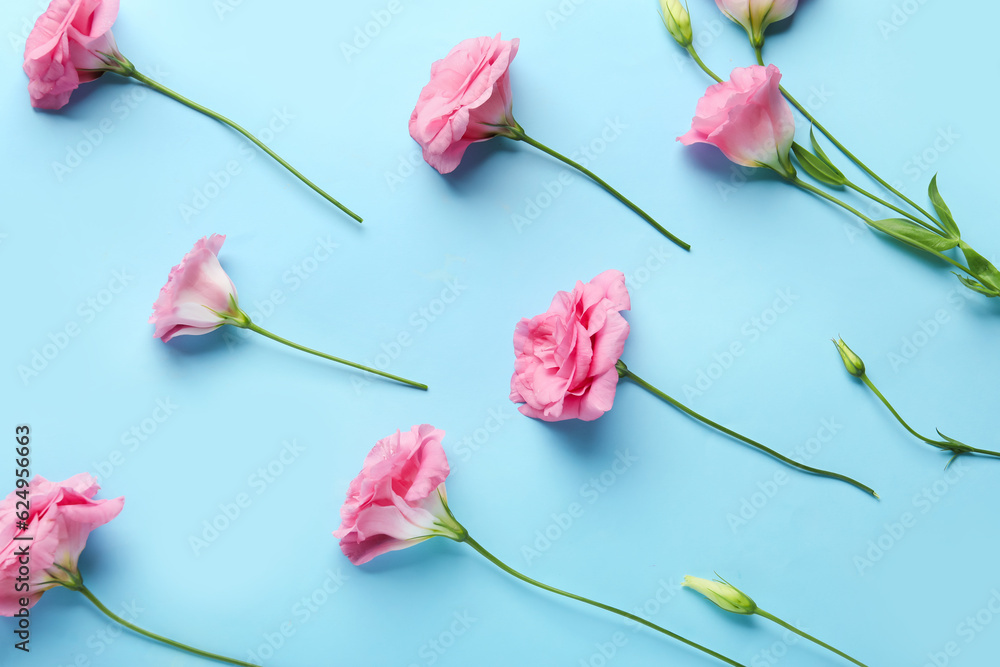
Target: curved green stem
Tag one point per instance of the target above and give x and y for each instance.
(843, 149)
(879, 200)
(264, 332)
(788, 626)
(899, 418)
(169, 642)
(614, 610)
(624, 372)
(517, 133)
(129, 70)
(759, 52)
(965, 449)
(704, 68)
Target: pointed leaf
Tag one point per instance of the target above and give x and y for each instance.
(958, 445)
(976, 287)
(908, 232)
(818, 169)
(947, 220)
(957, 448)
(821, 154)
(981, 267)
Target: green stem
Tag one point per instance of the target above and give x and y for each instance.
(948, 259)
(704, 68)
(129, 70)
(871, 385)
(624, 372)
(892, 207)
(802, 110)
(813, 189)
(169, 642)
(517, 133)
(253, 327)
(759, 52)
(808, 187)
(788, 626)
(614, 610)
(936, 443)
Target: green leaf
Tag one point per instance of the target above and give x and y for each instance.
(817, 168)
(822, 155)
(915, 235)
(958, 447)
(981, 267)
(947, 220)
(976, 287)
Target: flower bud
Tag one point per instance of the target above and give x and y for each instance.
(678, 21)
(852, 361)
(723, 594)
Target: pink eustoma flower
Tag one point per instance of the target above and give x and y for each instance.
(565, 365)
(399, 498)
(756, 15)
(748, 119)
(199, 297)
(467, 100)
(71, 43)
(68, 46)
(61, 516)
(60, 519)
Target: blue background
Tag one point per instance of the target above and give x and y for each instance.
(816, 552)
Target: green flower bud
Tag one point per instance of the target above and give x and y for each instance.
(723, 594)
(852, 362)
(678, 21)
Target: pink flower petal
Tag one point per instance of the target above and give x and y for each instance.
(564, 365)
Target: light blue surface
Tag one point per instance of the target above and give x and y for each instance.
(236, 399)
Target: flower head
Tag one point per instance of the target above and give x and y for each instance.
(199, 297)
(70, 44)
(855, 366)
(61, 516)
(723, 594)
(565, 358)
(467, 100)
(399, 498)
(678, 21)
(756, 15)
(748, 119)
